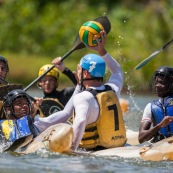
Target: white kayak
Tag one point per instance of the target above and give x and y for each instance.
(57, 138)
(162, 150)
(132, 137)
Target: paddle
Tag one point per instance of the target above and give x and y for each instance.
(77, 45)
(3, 81)
(145, 61)
(5, 89)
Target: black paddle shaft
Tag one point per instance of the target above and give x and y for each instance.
(37, 79)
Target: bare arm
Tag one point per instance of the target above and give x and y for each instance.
(146, 133)
(117, 76)
(61, 67)
(58, 117)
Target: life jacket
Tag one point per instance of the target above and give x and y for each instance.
(12, 130)
(158, 113)
(109, 129)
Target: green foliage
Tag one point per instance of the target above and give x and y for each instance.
(32, 33)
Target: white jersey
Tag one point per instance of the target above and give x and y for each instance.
(57, 117)
(86, 106)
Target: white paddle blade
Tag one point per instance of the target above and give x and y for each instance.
(145, 61)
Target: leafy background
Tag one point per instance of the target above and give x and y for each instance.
(33, 33)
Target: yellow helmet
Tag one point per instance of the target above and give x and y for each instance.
(54, 72)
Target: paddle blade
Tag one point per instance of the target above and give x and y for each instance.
(3, 81)
(77, 44)
(5, 89)
(145, 61)
(104, 22)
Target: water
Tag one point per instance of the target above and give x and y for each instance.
(47, 162)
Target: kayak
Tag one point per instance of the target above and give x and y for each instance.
(132, 137)
(162, 150)
(57, 138)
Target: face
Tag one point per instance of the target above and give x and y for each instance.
(162, 86)
(3, 70)
(83, 74)
(48, 84)
(21, 107)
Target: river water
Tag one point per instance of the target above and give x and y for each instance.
(46, 162)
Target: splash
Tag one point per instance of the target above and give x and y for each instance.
(4, 144)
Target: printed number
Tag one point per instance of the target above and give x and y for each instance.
(93, 66)
(116, 120)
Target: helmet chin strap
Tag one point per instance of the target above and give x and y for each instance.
(82, 80)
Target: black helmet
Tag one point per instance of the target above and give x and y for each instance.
(164, 71)
(167, 73)
(5, 62)
(11, 96)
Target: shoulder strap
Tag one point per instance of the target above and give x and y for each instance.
(95, 92)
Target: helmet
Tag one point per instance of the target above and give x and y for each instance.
(54, 72)
(94, 64)
(12, 95)
(165, 71)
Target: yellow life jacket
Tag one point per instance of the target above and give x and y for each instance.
(109, 129)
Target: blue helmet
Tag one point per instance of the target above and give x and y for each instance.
(94, 64)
